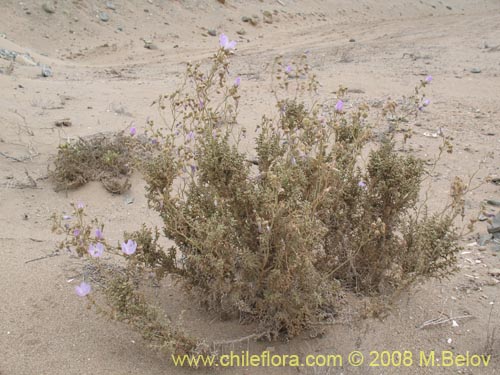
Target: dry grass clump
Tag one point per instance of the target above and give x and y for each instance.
(101, 157)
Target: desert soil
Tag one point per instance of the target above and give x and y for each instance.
(103, 79)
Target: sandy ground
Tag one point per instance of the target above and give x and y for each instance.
(105, 80)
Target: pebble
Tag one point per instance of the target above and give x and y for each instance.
(241, 32)
(110, 5)
(46, 71)
(267, 17)
(494, 271)
(475, 70)
(25, 59)
(103, 16)
(212, 32)
(49, 7)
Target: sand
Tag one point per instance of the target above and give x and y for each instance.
(105, 80)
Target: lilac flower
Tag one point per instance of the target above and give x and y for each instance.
(237, 81)
(339, 106)
(193, 168)
(288, 68)
(201, 104)
(225, 43)
(129, 247)
(98, 234)
(154, 141)
(66, 217)
(97, 250)
(428, 79)
(190, 136)
(362, 184)
(133, 130)
(76, 232)
(426, 102)
(83, 289)
(80, 205)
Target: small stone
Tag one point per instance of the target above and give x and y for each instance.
(103, 16)
(25, 59)
(222, 1)
(150, 45)
(267, 17)
(494, 271)
(241, 32)
(493, 202)
(46, 71)
(66, 122)
(49, 7)
(110, 5)
(352, 40)
(212, 32)
(475, 70)
(246, 19)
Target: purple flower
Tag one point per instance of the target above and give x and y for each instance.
(83, 289)
(97, 250)
(76, 232)
(193, 168)
(66, 217)
(201, 104)
(288, 68)
(225, 43)
(428, 79)
(129, 247)
(426, 102)
(237, 81)
(133, 130)
(339, 106)
(362, 184)
(190, 136)
(98, 234)
(80, 205)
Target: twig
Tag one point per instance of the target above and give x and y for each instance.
(254, 336)
(12, 157)
(42, 258)
(442, 320)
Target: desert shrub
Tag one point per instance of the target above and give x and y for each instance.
(271, 236)
(104, 157)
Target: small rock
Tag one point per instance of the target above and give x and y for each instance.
(222, 1)
(103, 16)
(110, 5)
(46, 71)
(25, 59)
(212, 32)
(448, 7)
(150, 45)
(352, 40)
(241, 32)
(246, 19)
(493, 202)
(66, 122)
(494, 271)
(49, 7)
(475, 70)
(267, 17)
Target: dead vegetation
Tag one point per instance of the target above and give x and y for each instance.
(107, 158)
